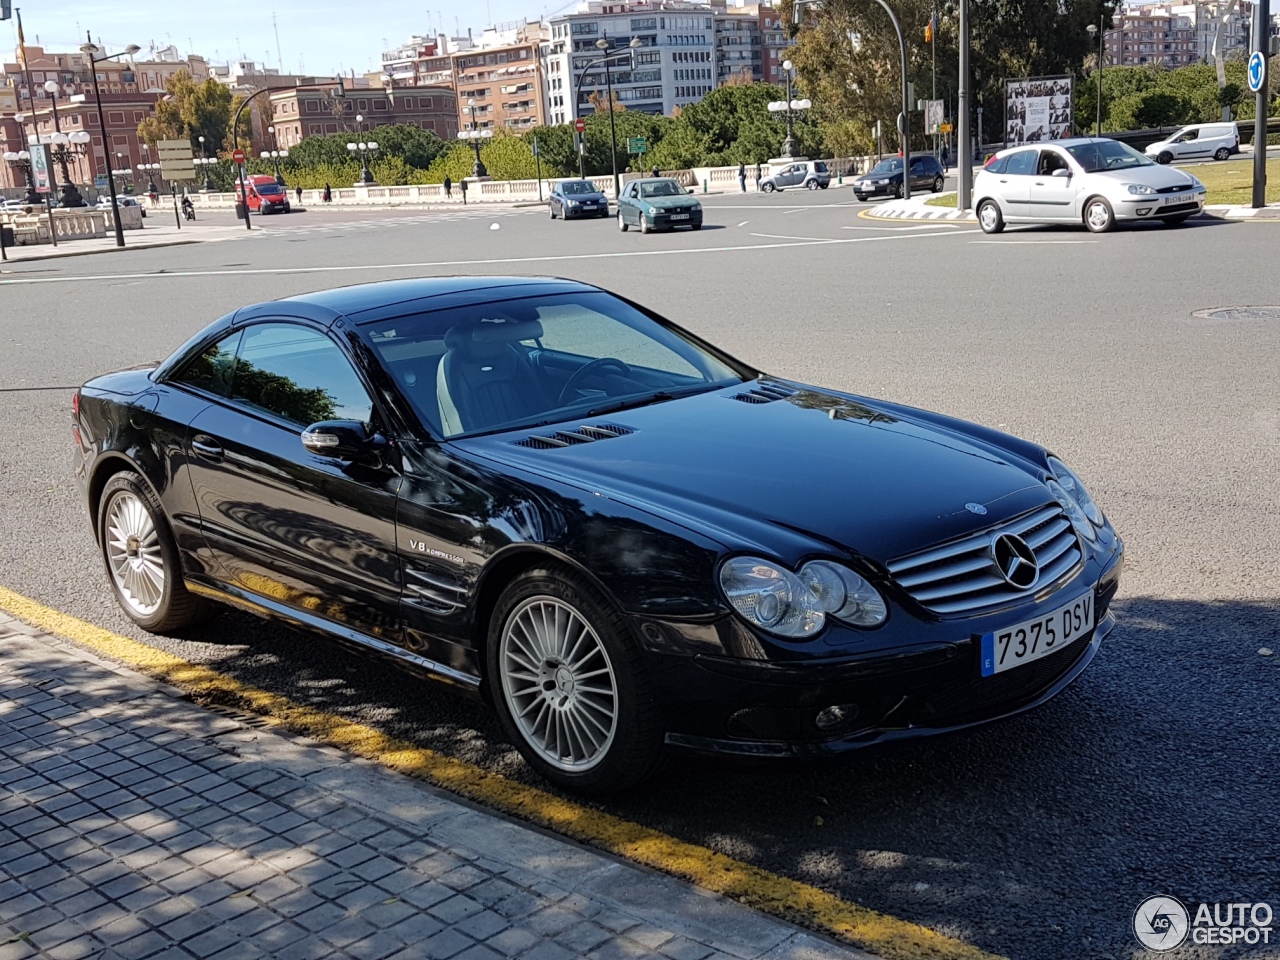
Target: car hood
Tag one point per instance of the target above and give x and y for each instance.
(669, 203)
(1154, 176)
(579, 197)
(872, 178)
(759, 472)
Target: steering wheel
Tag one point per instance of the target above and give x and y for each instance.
(588, 368)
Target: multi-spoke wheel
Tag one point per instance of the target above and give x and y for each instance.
(141, 557)
(1098, 215)
(570, 685)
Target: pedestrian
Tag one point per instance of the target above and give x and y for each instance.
(448, 187)
(742, 177)
(299, 193)
(464, 192)
(946, 159)
(757, 177)
(655, 173)
(327, 196)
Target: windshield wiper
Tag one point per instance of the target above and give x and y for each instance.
(659, 396)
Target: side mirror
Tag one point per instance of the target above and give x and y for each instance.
(1062, 172)
(338, 439)
(691, 189)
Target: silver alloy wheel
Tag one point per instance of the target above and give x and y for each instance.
(133, 554)
(1098, 215)
(558, 683)
(988, 217)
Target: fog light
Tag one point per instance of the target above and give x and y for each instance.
(832, 717)
(1143, 211)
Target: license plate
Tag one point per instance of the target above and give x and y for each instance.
(1178, 198)
(1032, 639)
(679, 216)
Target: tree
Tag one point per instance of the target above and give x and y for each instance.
(191, 110)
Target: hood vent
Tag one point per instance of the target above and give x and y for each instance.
(765, 391)
(587, 433)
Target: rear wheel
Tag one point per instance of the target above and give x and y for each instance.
(989, 217)
(622, 223)
(570, 684)
(1222, 153)
(141, 557)
(938, 184)
(813, 184)
(1098, 215)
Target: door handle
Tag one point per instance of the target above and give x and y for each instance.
(206, 447)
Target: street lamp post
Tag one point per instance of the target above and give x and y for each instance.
(203, 160)
(603, 44)
(21, 160)
(89, 49)
(476, 137)
(1102, 37)
(364, 147)
(153, 169)
(61, 152)
(790, 107)
(276, 154)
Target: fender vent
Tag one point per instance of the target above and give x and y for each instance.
(765, 391)
(587, 433)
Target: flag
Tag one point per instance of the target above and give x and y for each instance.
(22, 44)
(931, 29)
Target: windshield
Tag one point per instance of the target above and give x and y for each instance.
(887, 166)
(268, 189)
(537, 360)
(661, 188)
(1107, 155)
(576, 188)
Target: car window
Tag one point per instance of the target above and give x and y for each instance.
(820, 167)
(996, 165)
(661, 188)
(1107, 155)
(631, 192)
(1022, 163)
(211, 370)
(1051, 160)
(575, 188)
(298, 374)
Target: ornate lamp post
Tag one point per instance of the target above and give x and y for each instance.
(276, 154)
(21, 160)
(790, 107)
(61, 151)
(476, 138)
(90, 54)
(364, 148)
(152, 170)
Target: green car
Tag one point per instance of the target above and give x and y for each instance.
(657, 202)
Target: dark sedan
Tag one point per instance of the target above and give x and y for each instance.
(622, 538)
(577, 198)
(886, 178)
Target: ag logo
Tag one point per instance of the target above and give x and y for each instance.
(1160, 923)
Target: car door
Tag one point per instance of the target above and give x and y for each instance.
(308, 532)
(1014, 185)
(1190, 145)
(629, 205)
(1052, 196)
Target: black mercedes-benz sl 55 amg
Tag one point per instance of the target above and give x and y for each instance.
(623, 539)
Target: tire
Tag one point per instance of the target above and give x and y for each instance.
(645, 226)
(622, 224)
(1164, 157)
(1222, 153)
(861, 197)
(813, 185)
(768, 187)
(825, 185)
(596, 737)
(990, 219)
(695, 226)
(551, 210)
(141, 557)
(898, 191)
(938, 184)
(1098, 215)
(1176, 220)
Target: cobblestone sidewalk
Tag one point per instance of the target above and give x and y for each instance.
(134, 824)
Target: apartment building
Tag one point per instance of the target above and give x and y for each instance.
(320, 108)
(1176, 34)
(501, 86)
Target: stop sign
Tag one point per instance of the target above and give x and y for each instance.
(580, 125)
(237, 156)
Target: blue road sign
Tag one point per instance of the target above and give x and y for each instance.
(1257, 71)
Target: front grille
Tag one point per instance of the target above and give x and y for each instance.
(960, 577)
(1181, 189)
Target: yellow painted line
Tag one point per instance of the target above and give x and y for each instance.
(787, 899)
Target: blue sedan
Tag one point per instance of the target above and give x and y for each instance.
(577, 198)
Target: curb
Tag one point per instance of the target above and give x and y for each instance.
(89, 253)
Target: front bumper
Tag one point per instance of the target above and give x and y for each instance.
(574, 213)
(1154, 208)
(661, 219)
(882, 190)
(765, 709)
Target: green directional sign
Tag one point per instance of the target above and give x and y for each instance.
(636, 145)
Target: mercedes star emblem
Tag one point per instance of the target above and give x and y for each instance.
(1015, 561)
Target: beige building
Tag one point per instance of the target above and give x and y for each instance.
(500, 87)
(313, 110)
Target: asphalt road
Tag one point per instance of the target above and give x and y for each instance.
(1158, 772)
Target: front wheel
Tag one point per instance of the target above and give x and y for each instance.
(1222, 153)
(551, 210)
(989, 217)
(898, 191)
(645, 225)
(768, 187)
(570, 684)
(622, 223)
(1098, 215)
(861, 197)
(1176, 221)
(141, 557)
(938, 184)
(695, 226)
(1164, 157)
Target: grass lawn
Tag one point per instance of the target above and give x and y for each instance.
(1232, 181)
(942, 200)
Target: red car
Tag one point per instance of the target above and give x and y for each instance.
(265, 195)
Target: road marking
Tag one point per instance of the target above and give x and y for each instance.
(744, 223)
(350, 267)
(1031, 241)
(888, 937)
(921, 226)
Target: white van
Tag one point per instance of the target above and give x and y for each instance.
(1200, 141)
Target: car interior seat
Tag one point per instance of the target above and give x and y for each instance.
(485, 379)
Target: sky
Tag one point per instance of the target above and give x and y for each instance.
(316, 36)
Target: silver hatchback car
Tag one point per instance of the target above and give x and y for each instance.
(1093, 180)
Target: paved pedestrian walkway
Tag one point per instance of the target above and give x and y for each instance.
(159, 231)
(135, 824)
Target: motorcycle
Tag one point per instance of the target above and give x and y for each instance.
(189, 210)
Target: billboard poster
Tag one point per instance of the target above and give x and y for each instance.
(1037, 109)
(41, 167)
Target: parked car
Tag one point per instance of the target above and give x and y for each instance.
(810, 174)
(1094, 180)
(104, 203)
(265, 194)
(577, 198)
(619, 536)
(1199, 140)
(885, 179)
(653, 203)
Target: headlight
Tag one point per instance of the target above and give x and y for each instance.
(773, 598)
(1141, 190)
(1075, 487)
(1072, 509)
(652, 211)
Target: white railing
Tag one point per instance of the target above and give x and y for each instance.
(76, 224)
